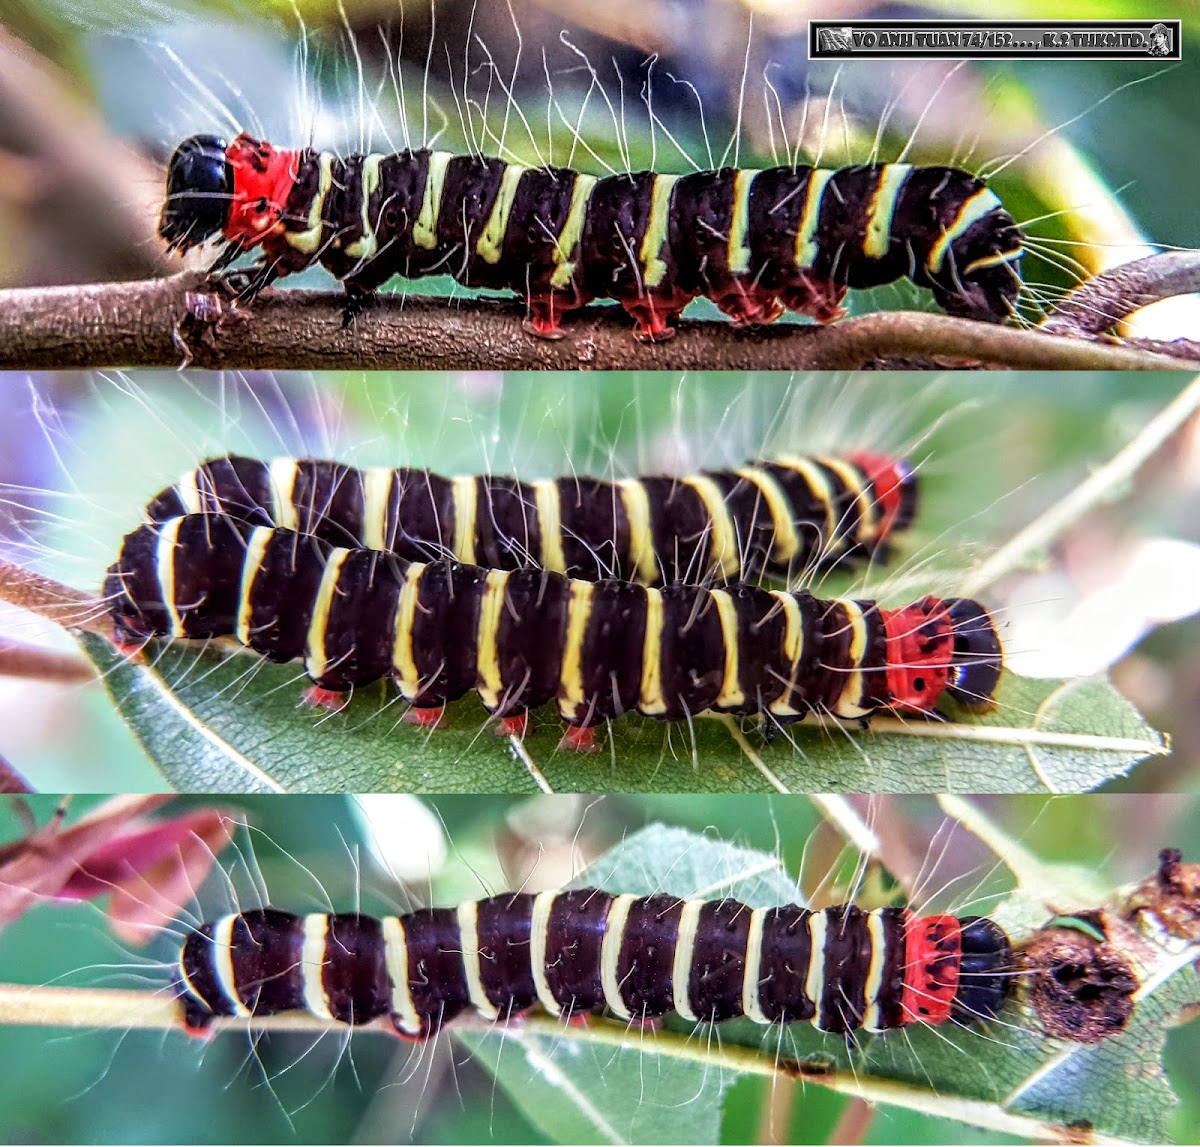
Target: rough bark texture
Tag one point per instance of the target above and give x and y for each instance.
(181, 321)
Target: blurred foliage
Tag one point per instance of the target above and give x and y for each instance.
(104, 1086)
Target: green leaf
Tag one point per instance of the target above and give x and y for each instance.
(214, 722)
(1004, 1075)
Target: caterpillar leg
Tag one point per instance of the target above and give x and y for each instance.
(320, 698)
(818, 298)
(545, 313)
(245, 286)
(579, 739)
(655, 313)
(357, 299)
(515, 726)
(749, 305)
(426, 718)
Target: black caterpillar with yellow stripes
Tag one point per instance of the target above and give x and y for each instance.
(526, 637)
(781, 516)
(755, 242)
(581, 951)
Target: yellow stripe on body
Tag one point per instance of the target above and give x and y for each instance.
(188, 491)
(685, 948)
(814, 981)
(751, 1006)
(722, 545)
(282, 481)
(882, 208)
(974, 208)
(641, 538)
(539, 929)
(806, 232)
(464, 492)
(312, 965)
(424, 232)
(786, 541)
(548, 504)
(366, 246)
(468, 930)
(256, 550)
(309, 240)
(793, 648)
(492, 240)
(572, 231)
(404, 664)
(222, 963)
(860, 489)
(731, 694)
(377, 496)
(738, 250)
(992, 261)
(654, 268)
(610, 952)
(875, 970)
(570, 677)
(395, 954)
(818, 485)
(316, 660)
(651, 702)
(164, 566)
(849, 702)
(487, 642)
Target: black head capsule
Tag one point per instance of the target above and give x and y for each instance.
(199, 192)
(978, 654)
(984, 971)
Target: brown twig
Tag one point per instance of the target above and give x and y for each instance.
(33, 663)
(53, 600)
(149, 323)
(11, 782)
(1094, 307)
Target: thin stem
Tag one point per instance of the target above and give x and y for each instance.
(1036, 536)
(71, 608)
(180, 321)
(33, 663)
(122, 1009)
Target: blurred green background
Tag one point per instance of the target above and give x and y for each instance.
(81, 454)
(103, 1086)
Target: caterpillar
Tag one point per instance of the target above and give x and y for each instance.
(523, 638)
(781, 515)
(581, 951)
(754, 242)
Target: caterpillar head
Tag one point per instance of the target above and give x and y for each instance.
(985, 969)
(894, 483)
(937, 646)
(199, 192)
(981, 278)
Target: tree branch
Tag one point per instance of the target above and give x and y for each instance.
(70, 608)
(179, 321)
(1095, 306)
(33, 663)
